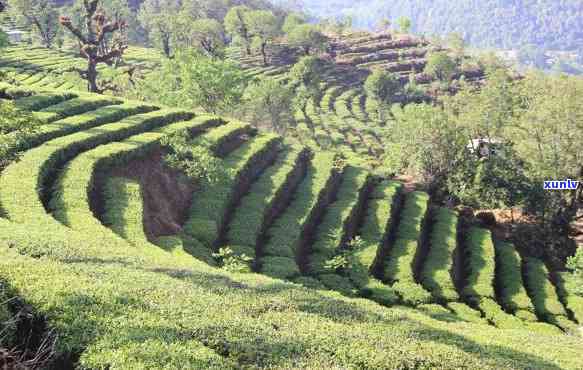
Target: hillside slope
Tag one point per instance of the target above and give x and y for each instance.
(78, 255)
(548, 24)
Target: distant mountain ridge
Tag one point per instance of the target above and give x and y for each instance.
(507, 24)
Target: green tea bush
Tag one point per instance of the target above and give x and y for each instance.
(213, 205)
(75, 106)
(339, 222)
(285, 236)
(77, 183)
(42, 100)
(495, 315)
(375, 228)
(399, 266)
(480, 265)
(21, 182)
(542, 291)
(513, 295)
(436, 275)
(567, 286)
(265, 198)
(123, 205)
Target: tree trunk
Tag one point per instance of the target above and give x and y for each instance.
(92, 77)
(166, 45)
(264, 53)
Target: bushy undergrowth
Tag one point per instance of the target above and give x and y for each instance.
(399, 267)
(437, 271)
(513, 295)
(480, 265)
(123, 205)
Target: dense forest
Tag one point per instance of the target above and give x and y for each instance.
(508, 24)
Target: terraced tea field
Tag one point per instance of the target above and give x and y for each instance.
(39, 67)
(349, 270)
(346, 120)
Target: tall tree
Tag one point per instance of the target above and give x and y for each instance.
(97, 29)
(41, 15)
(308, 37)
(209, 35)
(237, 26)
(160, 18)
(291, 21)
(441, 66)
(404, 24)
(263, 27)
(193, 80)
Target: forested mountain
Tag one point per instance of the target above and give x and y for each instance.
(509, 24)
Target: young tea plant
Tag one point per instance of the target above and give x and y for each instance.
(233, 262)
(195, 161)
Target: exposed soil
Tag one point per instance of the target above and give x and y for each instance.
(167, 194)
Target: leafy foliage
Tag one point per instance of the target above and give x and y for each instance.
(193, 80)
(268, 102)
(195, 161)
(441, 66)
(233, 262)
(307, 37)
(17, 127)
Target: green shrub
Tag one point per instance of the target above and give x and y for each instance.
(436, 275)
(513, 295)
(465, 312)
(123, 205)
(494, 314)
(566, 285)
(215, 201)
(339, 222)
(279, 267)
(541, 291)
(480, 265)
(257, 208)
(75, 106)
(186, 246)
(42, 100)
(399, 266)
(285, 235)
(233, 261)
(21, 182)
(77, 183)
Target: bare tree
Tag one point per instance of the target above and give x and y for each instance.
(103, 43)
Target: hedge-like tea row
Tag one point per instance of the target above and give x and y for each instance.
(123, 209)
(287, 234)
(220, 139)
(327, 102)
(186, 246)
(513, 295)
(566, 284)
(480, 265)
(375, 229)
(544, 295)
(340, 221)
(399, 266)
(79, 181)
(211, 207)
(42, 100)
(22, 184)
(8, 91)
(81, 122)
(436, 275)
(75, 106)
(265, 199)
(494, 314)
